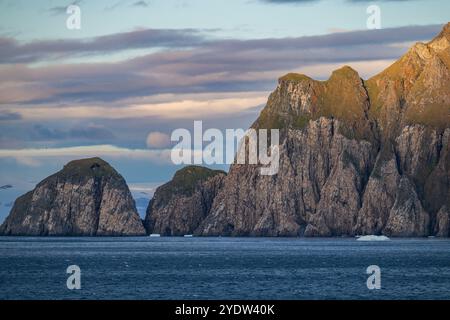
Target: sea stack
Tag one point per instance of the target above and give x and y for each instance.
(179, 206)
(86, 198)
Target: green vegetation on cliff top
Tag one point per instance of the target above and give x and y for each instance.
(343, 96)
(185, 181)
(85, 169)
(357, 103)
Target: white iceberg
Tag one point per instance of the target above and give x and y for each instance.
(372, 238)
(155, 235)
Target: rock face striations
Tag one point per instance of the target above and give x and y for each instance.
(86, 198)
(356, 157)
(179, 206)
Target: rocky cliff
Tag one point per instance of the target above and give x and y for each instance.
(86, 198)
(179, 206)
(356, 157)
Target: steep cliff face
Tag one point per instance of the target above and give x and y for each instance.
(86, 198)
(356, 157)
(178, 207)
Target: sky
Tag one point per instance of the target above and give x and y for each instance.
(137, 70)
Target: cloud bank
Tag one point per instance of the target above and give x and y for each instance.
(209, 66)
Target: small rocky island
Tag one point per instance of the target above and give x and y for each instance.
(86, 198)
(179, 206)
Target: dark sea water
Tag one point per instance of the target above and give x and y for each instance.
(223, 268)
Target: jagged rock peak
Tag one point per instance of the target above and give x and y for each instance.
(445, 33)
(345, 72)
(294, 77)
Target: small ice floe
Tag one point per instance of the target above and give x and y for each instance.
(372, 238)
(155, 235)
(188, 235)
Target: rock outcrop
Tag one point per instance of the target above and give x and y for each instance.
(356, 157)
(179, 206)
(442, 226)
(86, 198)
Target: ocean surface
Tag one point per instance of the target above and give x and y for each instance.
(223, 268)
